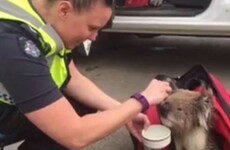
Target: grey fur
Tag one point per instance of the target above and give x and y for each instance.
(189, 115)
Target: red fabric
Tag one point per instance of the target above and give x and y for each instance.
(222, 122)
(136, 3)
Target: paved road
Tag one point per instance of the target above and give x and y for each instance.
(122, 71)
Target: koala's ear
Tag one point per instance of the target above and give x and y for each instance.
(206, 89)
(205, 106)
(205, 116)
(203, 121)
(207, 96)
(173, 85)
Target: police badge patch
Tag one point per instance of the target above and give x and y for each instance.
(29, 47)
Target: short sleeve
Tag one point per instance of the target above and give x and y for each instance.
(25, 74)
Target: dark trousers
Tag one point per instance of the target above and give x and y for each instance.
(36, 140)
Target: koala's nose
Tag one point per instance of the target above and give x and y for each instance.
(164, 109)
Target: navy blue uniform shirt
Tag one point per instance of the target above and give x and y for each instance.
(23, 68)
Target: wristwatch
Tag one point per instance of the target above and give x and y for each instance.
(141, 98)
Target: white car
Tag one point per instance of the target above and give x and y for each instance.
(172, 17)
(177, 17)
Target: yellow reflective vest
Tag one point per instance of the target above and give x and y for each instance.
(51, 43)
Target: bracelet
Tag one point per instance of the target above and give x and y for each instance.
(140, 98)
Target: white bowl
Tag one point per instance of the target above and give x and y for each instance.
(156, 137)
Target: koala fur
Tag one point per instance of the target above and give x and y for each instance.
(189, 115)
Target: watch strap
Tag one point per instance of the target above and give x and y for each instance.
(141, 98)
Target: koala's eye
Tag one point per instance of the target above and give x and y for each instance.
(179, 109)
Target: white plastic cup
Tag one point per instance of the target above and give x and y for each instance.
(156, 137)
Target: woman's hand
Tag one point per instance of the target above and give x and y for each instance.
(157, 91)
(137, 124)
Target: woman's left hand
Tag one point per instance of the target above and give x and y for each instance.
(137, 124)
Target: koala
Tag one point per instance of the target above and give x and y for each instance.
(189, 115)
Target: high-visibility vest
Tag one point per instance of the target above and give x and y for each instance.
(50, 41)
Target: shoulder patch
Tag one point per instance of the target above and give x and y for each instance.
(29, 47)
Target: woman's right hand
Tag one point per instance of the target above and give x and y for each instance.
(157, 91)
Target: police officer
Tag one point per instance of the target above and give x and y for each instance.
(36, 39)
